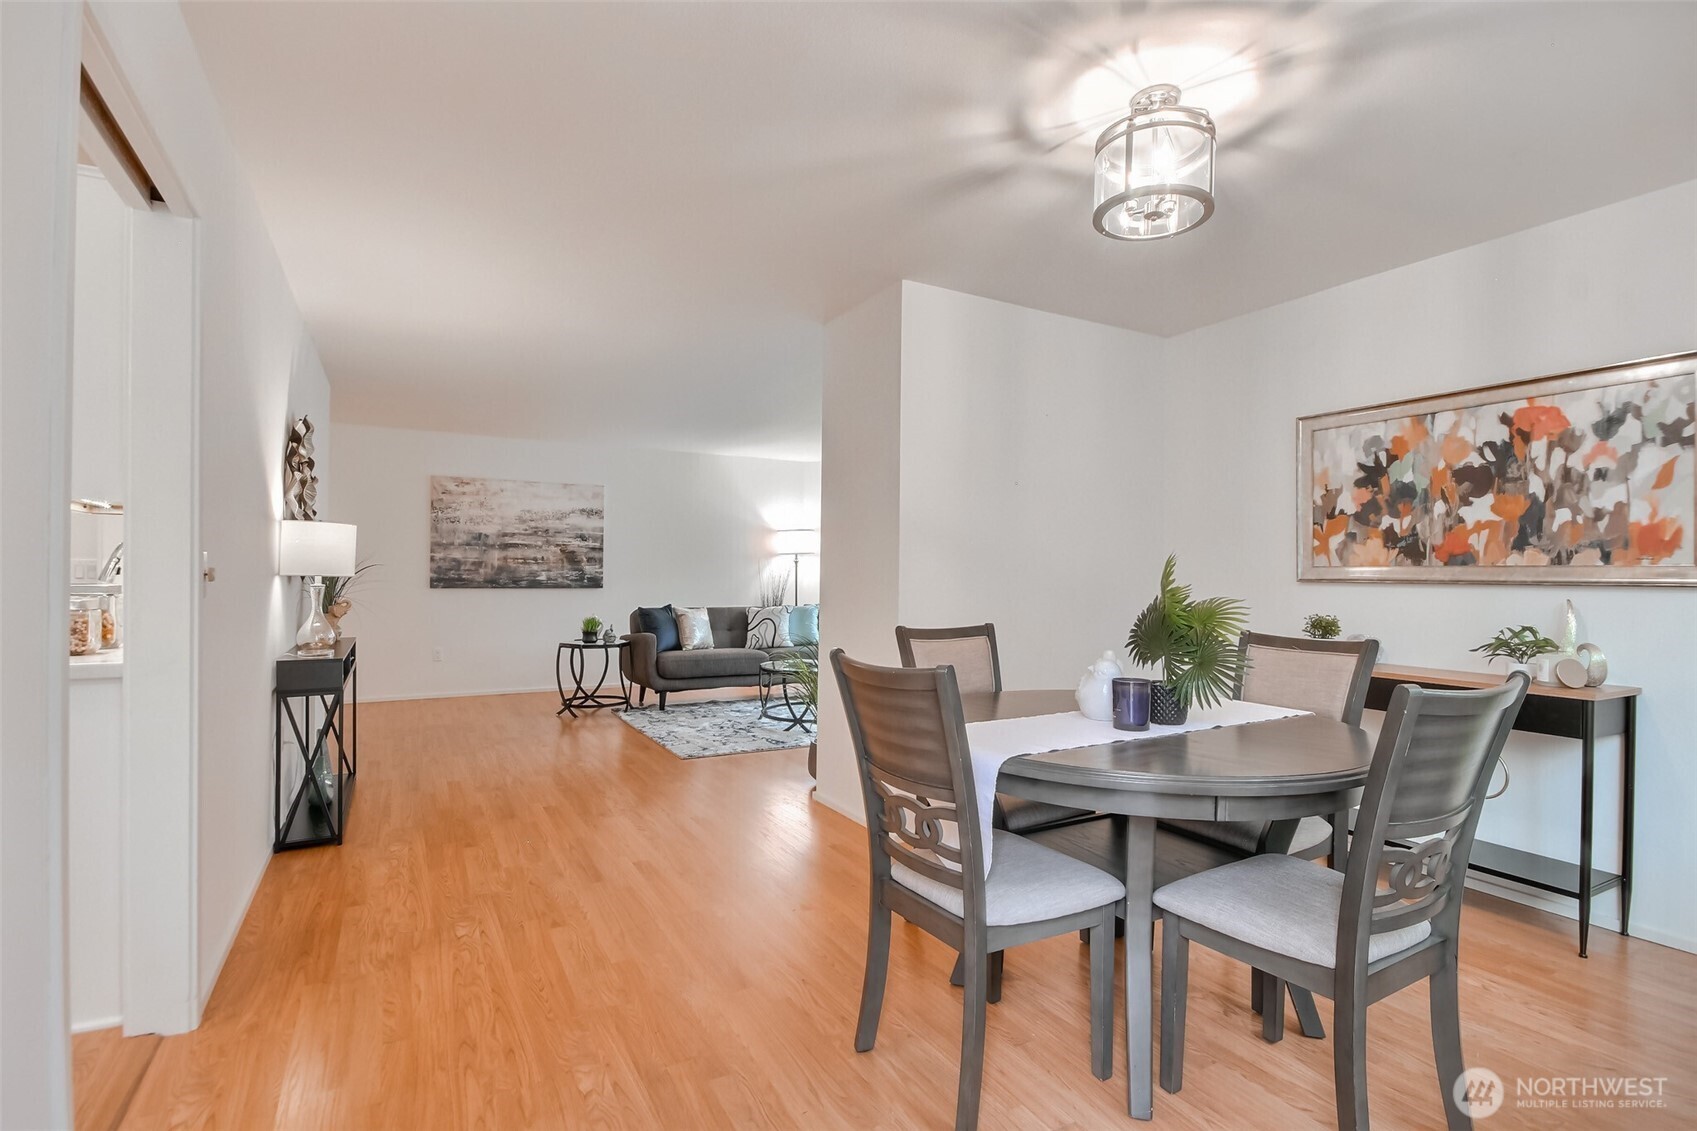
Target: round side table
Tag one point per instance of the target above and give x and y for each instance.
(592, 698)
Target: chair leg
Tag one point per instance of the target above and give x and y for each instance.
(1102, 997)
(994, 988)
(1255, 989)
(877, 966)
(1349, 1055)
(1175, 986)
(1307, 1015)
(1272, 1009)
(641, 696)
(957, 976)
(662, 696)
(972, 1040)
(1446, 1042)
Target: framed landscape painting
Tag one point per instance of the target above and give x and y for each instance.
(513, 534)
(1582, 478)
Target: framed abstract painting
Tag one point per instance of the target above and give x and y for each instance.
(1581, 478)
(514, 534)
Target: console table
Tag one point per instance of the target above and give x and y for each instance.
(318, 809)
(1584, 714)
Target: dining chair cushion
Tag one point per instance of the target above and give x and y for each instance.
(1245, 836)
(1277, 903)
(1021, 813)
(1027, 884)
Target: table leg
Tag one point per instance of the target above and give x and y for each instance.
(1587, 791)
(1628, 806)
(560, 682)
(1139, 970)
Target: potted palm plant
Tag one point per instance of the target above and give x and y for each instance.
(1193, 643)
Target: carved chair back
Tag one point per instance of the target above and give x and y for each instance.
(1424, 792)
(915, 776)
(970, 650)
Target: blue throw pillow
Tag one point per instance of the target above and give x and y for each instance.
(804, 625)
(662, 624)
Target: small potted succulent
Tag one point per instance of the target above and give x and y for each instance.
(1321, 626)
(1522, 647)
(1192, 642)
(591, 629)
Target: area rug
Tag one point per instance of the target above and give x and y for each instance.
(707, 730)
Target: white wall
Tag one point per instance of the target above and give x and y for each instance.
(1024, 476)
(681, 528)
(38, 106)
(1606, 286)
(859, 550)
(258, 368)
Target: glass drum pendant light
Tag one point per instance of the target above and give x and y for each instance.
(1155, 168)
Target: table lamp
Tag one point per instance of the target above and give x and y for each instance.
(316, 550)
(795, 543)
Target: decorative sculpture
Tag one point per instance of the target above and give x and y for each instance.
(300, 485)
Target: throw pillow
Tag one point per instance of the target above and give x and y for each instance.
(695, 630)
(662, 624)
(769, 628)
(804, 625)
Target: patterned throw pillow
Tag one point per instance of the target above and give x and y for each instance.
(769, 628)
(804, 624)
(695, 630)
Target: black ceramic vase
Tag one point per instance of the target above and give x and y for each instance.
(1164, 708)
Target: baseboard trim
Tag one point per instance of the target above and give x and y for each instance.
(1569, 909)
(113, 1022)
(204, 991)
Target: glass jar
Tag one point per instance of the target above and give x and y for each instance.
(85, 626)
(108, 621)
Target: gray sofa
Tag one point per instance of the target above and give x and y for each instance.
(728, 664)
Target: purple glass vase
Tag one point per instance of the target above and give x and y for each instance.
(1131, 704)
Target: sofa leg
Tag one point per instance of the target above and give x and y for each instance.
(662, 696)
(641, 695)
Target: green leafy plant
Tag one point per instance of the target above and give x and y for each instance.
(805, 674)
(1321, 626)
(1522, 645)
(591, 625)
(1193, 642)
(338, 589)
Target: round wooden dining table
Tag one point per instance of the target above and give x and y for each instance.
(1278, 770)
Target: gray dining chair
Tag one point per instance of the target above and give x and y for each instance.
(1357, 936)
(927, 855)
(971, 651)
(1329, 678)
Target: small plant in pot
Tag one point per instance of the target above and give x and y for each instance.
(1521, 647)
(1192, 642)
(1321, 626)
(591, 629)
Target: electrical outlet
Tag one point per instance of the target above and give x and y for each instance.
(436, 655)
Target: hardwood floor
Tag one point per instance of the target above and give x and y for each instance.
(543, 923)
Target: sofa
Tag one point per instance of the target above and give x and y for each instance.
(729, 663)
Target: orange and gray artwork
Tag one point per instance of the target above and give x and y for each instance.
(1594, 477)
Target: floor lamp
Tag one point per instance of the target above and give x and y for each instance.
(796, 544)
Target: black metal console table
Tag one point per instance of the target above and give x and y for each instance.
(317, 811)
(1584, 714)
(590, 698)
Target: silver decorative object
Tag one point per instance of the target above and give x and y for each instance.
(1155, 168)
(608, 636)
(1596, 664)
(1569, 630)
(300, 484)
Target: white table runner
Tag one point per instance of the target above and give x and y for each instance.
(994, 741)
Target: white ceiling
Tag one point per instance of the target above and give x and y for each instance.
(627, 222)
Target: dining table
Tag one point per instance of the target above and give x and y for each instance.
(1275, 770)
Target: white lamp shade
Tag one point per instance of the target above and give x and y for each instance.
(795, 542)
(316, 549)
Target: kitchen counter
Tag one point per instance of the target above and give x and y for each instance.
(98, 665)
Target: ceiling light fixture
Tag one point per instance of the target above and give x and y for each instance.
(1155, 168)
